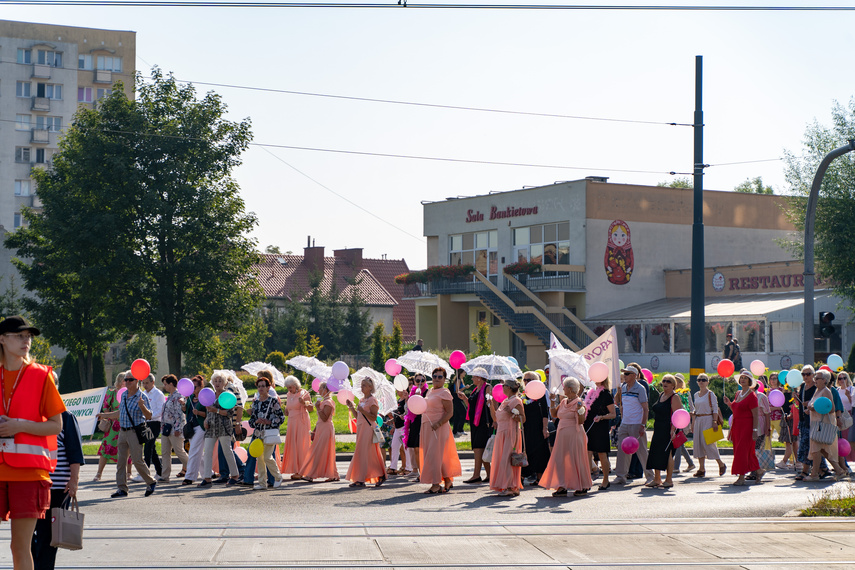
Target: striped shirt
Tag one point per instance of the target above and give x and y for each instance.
(69, 450)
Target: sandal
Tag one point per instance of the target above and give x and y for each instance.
(96, 478)
(667, 485)
(700, 474)
(357, 484)
(474, 480)
(722, 469)
(380, 481)
(580, 493)
(431, 491)
(390, 471)
(181, 474)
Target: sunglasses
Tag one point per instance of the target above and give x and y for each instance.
(667, 382)
(131, 380)
(439, 376)
(807, 373)
(703, 380)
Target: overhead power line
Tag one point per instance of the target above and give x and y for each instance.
(408, 6)
(432, 105)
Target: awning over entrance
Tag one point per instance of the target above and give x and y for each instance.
(724, 307)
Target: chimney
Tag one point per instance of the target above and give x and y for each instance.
(350, 257)
(313, 258)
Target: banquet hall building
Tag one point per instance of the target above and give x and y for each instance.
(571, 259)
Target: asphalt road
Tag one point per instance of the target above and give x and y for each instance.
(402, 499)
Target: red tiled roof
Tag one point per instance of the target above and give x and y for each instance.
(287, 277)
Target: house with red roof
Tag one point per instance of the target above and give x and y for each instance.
(285, 277)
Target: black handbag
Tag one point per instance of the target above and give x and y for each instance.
(144, 433)
(166, 429)
(190, 425)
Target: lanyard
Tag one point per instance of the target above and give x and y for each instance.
(8, 402)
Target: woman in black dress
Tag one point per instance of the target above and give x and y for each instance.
(413, 423)
(601, 408)
(535, 433)
(480, 422)
(661, 454)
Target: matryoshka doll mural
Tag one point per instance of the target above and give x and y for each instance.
(619, 259)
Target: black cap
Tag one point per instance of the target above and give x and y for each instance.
(16, 324)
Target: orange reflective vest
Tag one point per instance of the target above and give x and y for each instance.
(27, 451)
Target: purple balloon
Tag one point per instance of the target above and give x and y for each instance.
(185, 387)
(334, 384)
(207, 397)
(777, 398)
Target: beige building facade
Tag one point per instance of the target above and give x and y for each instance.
(48, 72)
(614, 254)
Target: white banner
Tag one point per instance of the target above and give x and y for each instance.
(605, 349)
(85, 406)
(554, 381)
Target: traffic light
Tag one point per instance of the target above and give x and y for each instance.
(826, 329)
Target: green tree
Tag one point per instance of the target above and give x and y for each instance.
(378, 346)
(850, 362)
(283, 324)
(155, 228)
(246, 344)
(69, 374)
(357, 326)
(206, 356)
(396, 343)
(481, 338)
(277, 359)
(10, 299)
(753, 186)
(272, 249)
(143, 345)
(834, 238)
(679, 182)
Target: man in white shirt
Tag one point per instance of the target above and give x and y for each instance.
(632, 400)
(157, 399)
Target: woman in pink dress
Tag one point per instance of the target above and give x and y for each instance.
(297, 436)
(321, 459)
(437, 450)
(367, 465)
(507, 417)
(745, 428)
(568, 465)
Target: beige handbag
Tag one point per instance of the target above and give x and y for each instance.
(66, 525)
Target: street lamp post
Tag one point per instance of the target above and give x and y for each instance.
(809, 234)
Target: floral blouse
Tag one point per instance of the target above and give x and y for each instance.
(217, 424)
(269, 409)
(173, 412)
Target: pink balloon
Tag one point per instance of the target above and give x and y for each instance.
(499, 393)
(761, 387)
(648, 375)
(207, 397)
(316, 384)
(246, 426)
(757, 367)
(776, 398)
(392, 367)
(629, 445)
(457, 359)
(843, 447)
(121, 393)
(343, 397)
(241, 453)
(535, 389)
(680, 419)
(417, 404)
(598, 372)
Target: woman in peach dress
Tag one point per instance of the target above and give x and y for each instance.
(437, 450)
(321, 459)
(367, 465)
(297, 435)
(507, 417)
(568, 465)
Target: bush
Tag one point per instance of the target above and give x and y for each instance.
(522, 268)
(69, 374)
(850, 364)
(277, 359)
(435, 273)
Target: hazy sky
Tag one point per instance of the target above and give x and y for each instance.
(766, 76)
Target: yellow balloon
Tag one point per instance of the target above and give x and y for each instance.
(542, 375)
(256, 448)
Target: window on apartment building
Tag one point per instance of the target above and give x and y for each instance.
(84, 62)
(109, 63)
(546, 244)
(49, 90)
(22, 89)
(25, 56)
(40, 156)
(476, 248)
(18, 220)
(49, 57)
(22, 122)
(22, 187)
(22, 154)
(50, 123)
(101, 93)
(84, 94)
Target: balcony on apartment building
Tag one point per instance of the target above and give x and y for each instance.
(40, 104)
(566, 278)
(103, 76)
(41, 71)
(40, 136)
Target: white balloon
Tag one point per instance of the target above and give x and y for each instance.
(401, 382)
(340, 370)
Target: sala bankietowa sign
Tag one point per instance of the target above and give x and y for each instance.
(497, 214)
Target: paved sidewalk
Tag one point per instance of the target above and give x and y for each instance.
(678, 543)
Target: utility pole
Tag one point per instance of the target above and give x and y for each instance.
(697, 356)
(810, 215)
